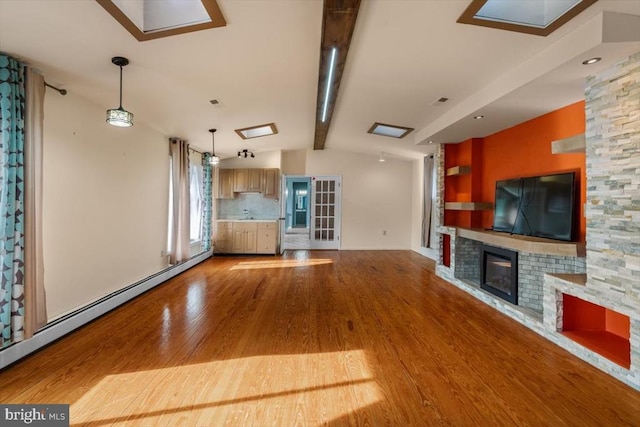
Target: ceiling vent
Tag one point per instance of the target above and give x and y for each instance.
(440, 101)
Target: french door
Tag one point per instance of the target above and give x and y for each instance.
(326, 197)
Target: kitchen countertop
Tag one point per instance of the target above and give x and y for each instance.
(247, 220)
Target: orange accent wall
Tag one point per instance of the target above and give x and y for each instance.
(525, 150)
(463, 188)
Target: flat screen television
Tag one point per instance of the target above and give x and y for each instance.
(541, 206)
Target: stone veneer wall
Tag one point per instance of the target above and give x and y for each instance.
(613, 182)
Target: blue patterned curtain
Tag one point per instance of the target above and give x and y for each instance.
(207, 201)
(12, 110)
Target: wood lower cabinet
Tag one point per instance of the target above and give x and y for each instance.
(223, 237)
(246, 237)
(267, 237)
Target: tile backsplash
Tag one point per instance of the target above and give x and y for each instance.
(259, 207)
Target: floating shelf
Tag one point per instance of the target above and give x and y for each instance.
(468, 206)
(574, 144)
(459, 170)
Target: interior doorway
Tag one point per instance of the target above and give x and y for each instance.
(298, 214)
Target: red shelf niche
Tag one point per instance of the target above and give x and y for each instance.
(597, 328)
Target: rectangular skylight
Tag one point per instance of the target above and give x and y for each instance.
(389, 130)
(539, 17)
(257, 131)
(149, 19)
(535, 13)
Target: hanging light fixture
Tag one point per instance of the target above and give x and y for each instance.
(119, 116)
(246, 153)
(213, 160)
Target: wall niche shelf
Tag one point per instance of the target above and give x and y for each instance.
(574, 144)
(459, 170)
(468, 206)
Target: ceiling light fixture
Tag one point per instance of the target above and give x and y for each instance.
(245, 153)
(591, 61)
(332, 62)
(119, 116)
(392, 131)
(213, 160)
(478, 117)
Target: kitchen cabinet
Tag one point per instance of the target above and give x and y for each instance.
(247, 180)
(267, 238)
(225, 184)
(240, 180)
(271, 183)
(223, 237)
(244, 237)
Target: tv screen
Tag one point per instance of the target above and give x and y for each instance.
(541, 206)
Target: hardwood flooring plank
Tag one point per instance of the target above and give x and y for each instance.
(315, 338)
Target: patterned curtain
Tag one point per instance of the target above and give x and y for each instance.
(207, 201)
(12, 108)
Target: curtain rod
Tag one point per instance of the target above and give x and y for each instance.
(60, 91)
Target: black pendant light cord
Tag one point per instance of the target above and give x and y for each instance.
(120, 88)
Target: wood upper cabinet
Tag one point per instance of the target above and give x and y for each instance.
(240, 180)
(254, 182)
(271, 183)
(225, 184)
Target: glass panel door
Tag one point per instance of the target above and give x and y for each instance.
(325, 212)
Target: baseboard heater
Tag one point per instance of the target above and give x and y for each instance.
(72, 321)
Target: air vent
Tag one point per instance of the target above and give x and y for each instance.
(440, 101)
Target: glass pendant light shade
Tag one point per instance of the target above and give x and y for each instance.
(214, 160)
(119, 117)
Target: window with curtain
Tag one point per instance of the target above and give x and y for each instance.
(196, 200)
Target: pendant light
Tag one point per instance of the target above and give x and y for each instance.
(213, 160)
(119, 116)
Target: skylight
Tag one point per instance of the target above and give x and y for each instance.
(540, 17)
(149, 19)
(257, 131)
(389, 130)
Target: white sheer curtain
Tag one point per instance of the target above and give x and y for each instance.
(427, 201)
(196, 202)
(180, 243)
(34, 292)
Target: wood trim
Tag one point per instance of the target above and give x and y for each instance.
(535, 245)
(574, 144)
(211, 6)
(273, 127)
(468, 17)
(338, 22)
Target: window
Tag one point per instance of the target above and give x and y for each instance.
(196, 200)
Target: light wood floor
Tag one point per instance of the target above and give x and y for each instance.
(338, 338)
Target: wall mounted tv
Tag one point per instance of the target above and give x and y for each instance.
(541, 206)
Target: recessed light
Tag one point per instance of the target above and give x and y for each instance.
(430, 141)
(257, 131)
(591, 61)
(478, 117)
(392, 131)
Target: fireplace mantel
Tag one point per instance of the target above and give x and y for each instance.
(534, 245)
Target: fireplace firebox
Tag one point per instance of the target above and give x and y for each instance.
(499, 272)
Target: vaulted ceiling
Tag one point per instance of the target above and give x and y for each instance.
(263, 67)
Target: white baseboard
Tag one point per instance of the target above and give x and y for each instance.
(80, 317)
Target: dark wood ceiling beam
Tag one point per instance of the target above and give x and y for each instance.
(338, 22)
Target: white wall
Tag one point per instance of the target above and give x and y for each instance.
(105, 203)
(294, 162)
(269, 159)
(375, 197)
